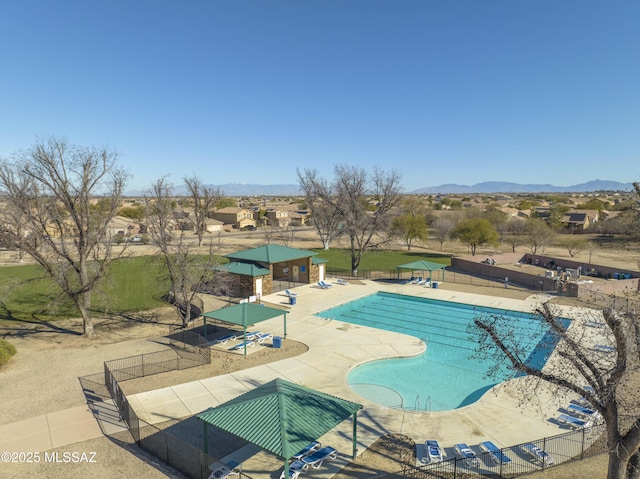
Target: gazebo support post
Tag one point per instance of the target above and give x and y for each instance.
(355, 438)
(244, 338)
(205, 436)
(285, 325)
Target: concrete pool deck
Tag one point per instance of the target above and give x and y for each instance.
(334, 349)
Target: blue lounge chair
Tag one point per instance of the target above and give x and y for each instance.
(581, 411)
(495, 454)
(316, 459)
(427, 283)
(308, 449)
(418, 280)
(573, 422)
(596, 324)
(537, 454)
(324, 285)
(434, 451)
(410, 280)
(601, 348)
(342, 281)
(241, 345)
(290, 294)
(466, 453)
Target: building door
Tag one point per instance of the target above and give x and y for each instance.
(258, 287)
(294, 274)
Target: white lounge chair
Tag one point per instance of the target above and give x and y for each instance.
(324, 285)
(290, 294)
(427, 283)
(342, 281)
(262, 337)
(225, 471)
(250, 335)
(537, 454)
(466, 453)
(418, 280)
(495, 454)
(410, 280)
(573, 422)
(316, 459)
(241, 345)
(296, 468)
(225, 339)
(433, 451)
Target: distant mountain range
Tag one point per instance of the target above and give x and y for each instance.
(246, 189)
(504, 187)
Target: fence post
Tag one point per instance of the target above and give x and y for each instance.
(583, 440)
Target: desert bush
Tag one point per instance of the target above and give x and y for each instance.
(6, 351)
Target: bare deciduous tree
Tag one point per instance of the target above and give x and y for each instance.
(288, 234)
(61, 199)
(268, 233)
(323, 216)
(442, 227)
(204, 198)
(188, 271)
(607, 380)
(516, 229)
(362, 203)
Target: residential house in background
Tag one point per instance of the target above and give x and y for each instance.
(234, 216)
(277, 217)
(213, 225)
(579, 220)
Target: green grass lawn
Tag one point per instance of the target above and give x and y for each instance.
(135, 284)
(139, 283)
(378, 260)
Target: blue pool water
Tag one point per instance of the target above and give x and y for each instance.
(444, 377)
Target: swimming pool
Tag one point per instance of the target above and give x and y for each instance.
(444, 377)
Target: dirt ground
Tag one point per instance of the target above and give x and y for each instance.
(43, 378)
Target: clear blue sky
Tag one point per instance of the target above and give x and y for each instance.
(233, 91)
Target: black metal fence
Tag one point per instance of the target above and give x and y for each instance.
(628, 304)
(362, 273)
(449, 275)
(189, 350)
(192, 461)
(521, 459)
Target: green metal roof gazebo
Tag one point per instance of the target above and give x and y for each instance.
(244, 269)
(270, 254)
(422, 265)
(245, 314)
(281, 417)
